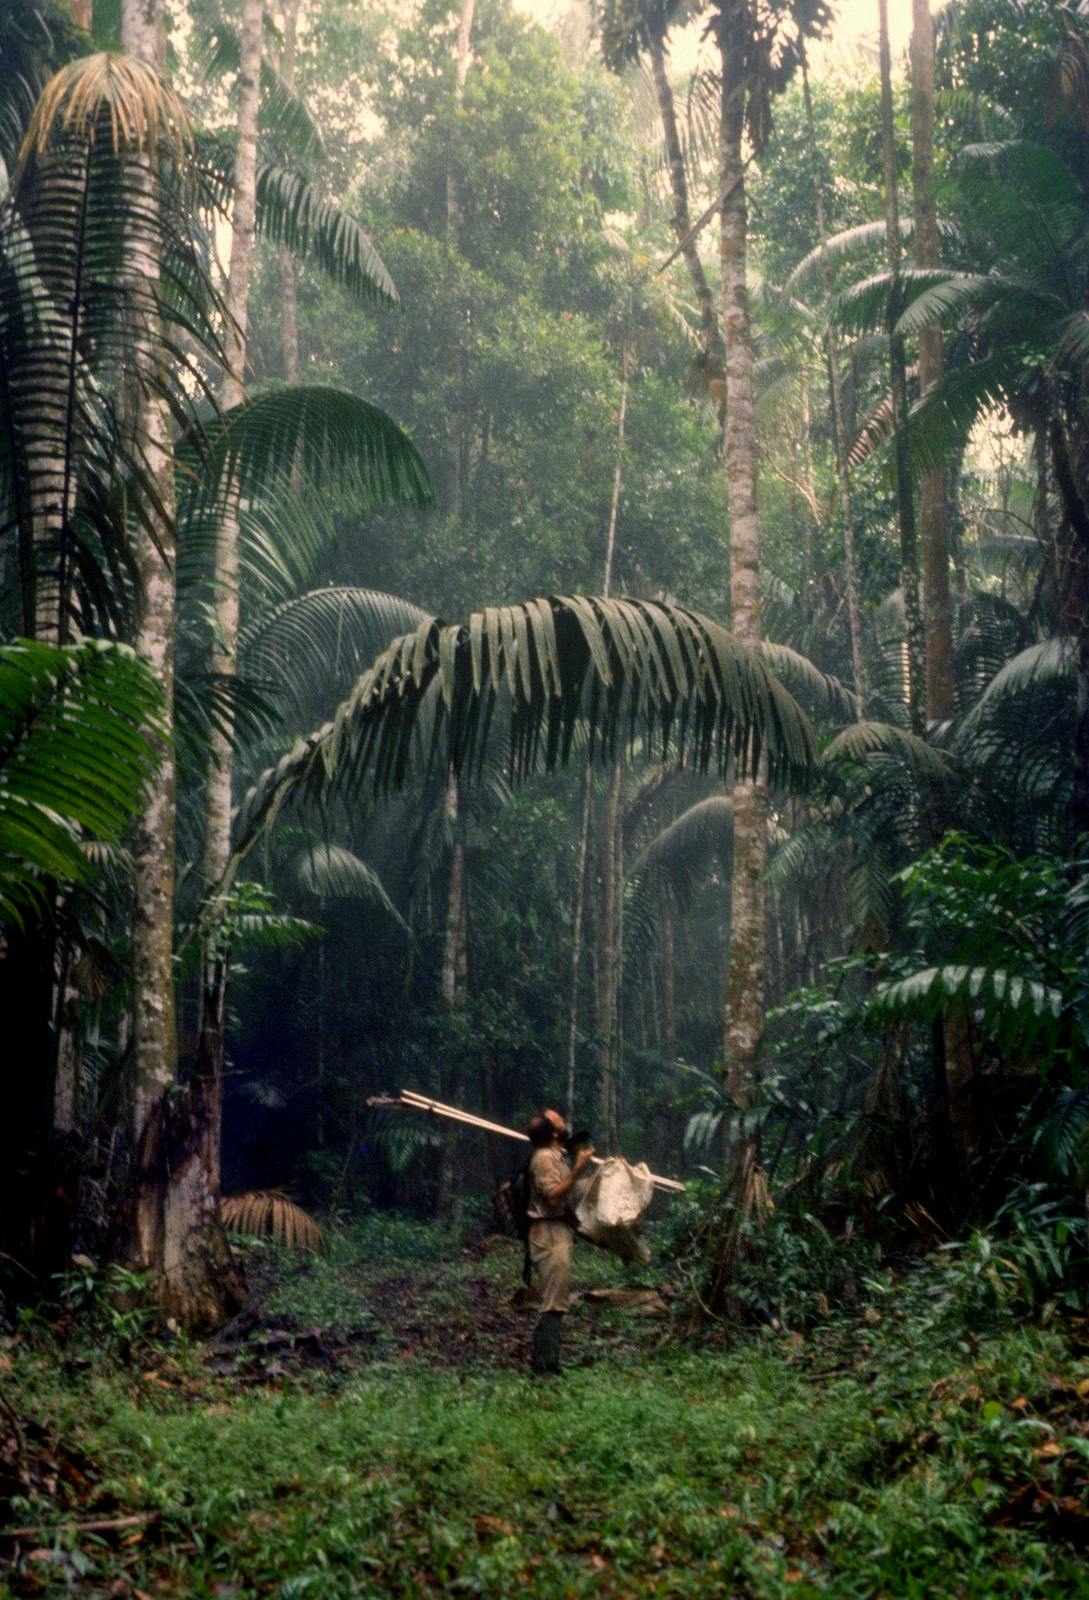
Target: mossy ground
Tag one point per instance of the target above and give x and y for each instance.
(896, 1455)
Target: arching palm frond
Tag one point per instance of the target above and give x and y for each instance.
(323, 635)
(328, 432)
(1015, 1009)
(821, 692)
(283, 113)
(1051, 661)
(867, 236)
(628, 667)
(291, 214)
(683, 853)
(333, 872)
(77, 731)
(864, 742)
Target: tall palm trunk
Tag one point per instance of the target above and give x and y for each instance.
(289, 304)
(609, 963)
(217, 843)
(905, 502)
(956, 1056)
(454, 980)
(217, 846)
(839, 431)
(454, 974)
(933, 518)
(577, 920)
(746, 977)
(745, 989)
(173, 1223)
(458, 423)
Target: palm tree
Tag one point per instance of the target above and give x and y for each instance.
(1018, 303)
(94, 389)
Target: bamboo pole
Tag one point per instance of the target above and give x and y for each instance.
(410, 1100)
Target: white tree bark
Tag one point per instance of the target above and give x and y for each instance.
(933, 517)
(745, 986)
(289, 305)
(217, 846)
(154, 1031)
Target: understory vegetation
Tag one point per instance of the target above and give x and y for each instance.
(544, 563)
(371, 1429)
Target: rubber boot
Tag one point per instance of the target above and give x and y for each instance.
(546, 1344)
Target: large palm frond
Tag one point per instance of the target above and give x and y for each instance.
(329, 434)
(77, 731)
(292, 214)
(283, 113)
(629, 668)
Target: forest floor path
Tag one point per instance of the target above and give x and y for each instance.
(368, 1428)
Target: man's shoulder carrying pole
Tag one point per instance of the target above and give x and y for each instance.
(409, 1100)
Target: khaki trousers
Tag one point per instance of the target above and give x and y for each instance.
(550, 1248)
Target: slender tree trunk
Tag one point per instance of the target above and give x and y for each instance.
(289, 305)
(839, 433)
(454, 978)
(614, 504)
(458, 423)
(710, 335)
(608, 965)
(905, 501)
(746, 976)
(578, 917)
(1073, 589)
(154, 1029)
(173, 1228)
(217, 847)
(933, 517)
(748, 933)
(669, 974)
(956, 1044)
(448, 1198)
(217, 843)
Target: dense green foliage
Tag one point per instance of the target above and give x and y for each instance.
(928, 1445)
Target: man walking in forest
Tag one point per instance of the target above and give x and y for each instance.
(551, 1231)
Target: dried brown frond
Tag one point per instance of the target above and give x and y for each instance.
(269, 1214)
(141, 111)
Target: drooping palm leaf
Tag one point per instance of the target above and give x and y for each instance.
(77, 731)
(72, 310)
(683, 852)
(823, 693)
(283, 113)
(269, 1214)
(866, 741)
(631, 669)
(1015, 1009)
(328, 432)
(333, 872)
(291, 214)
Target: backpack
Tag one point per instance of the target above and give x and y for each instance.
(512, 1202)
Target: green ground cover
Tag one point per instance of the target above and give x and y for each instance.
(905, 1452)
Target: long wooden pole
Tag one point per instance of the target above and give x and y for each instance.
(419, 1102)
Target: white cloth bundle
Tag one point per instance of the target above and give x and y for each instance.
(610, 1203)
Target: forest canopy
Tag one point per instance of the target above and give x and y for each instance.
(540, 564)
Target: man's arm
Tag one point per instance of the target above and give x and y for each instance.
(561, 1190)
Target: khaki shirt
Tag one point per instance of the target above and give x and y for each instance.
(547, 1168)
